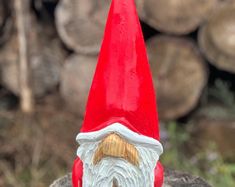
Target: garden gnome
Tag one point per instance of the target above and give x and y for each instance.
(119, 139)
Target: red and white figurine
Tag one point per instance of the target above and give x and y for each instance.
(119, 139)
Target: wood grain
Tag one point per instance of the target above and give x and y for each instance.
(81, 23)
(217, 38)
(177, 16)
(179, 74)
(76, 78)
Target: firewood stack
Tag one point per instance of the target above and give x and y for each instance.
(185, 36)
(45, 54)
(185, 39)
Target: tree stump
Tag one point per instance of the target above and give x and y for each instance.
(46, 57)
(76, 79)
(172, 179)
(217, 38)
(177, 16)
(214, 124)
(179, 75)
(81, 23)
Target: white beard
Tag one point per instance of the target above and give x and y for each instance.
(120, 170)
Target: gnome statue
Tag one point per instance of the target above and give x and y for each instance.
(119, 139)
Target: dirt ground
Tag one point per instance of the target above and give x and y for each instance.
(37, 149)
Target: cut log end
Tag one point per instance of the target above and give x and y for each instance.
(81, 23)
(76, 79)
(217, 39)
(178, 16)
(179, 75)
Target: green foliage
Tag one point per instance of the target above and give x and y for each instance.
(173, 157)
(208, 163)
(222, 92)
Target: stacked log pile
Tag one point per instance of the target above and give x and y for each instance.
(46, 60)
(190, 44)
(188, 36)
(190, 41)
(178, 59)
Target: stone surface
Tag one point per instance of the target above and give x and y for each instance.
(172, 179)
(181, 179)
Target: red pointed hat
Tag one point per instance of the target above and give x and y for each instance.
(122, 90)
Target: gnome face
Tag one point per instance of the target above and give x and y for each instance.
(117, 156)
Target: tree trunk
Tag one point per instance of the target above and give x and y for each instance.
(217, 38)
(179, 75)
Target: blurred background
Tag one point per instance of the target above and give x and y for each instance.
(48, 53)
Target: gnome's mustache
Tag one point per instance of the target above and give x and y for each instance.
(115, 146)
(115, 156)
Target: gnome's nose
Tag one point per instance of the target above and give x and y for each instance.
(115, 146)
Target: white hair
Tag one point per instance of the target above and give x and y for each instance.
(111, 169)
(123, 172)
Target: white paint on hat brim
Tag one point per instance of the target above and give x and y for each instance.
(123, 131)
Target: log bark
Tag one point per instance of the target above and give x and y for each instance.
(217, 38)
(46, 58)
(81, 23)
(76, 79)
(177, 16)
(172, 179)
(179, 75)
(214, 124)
